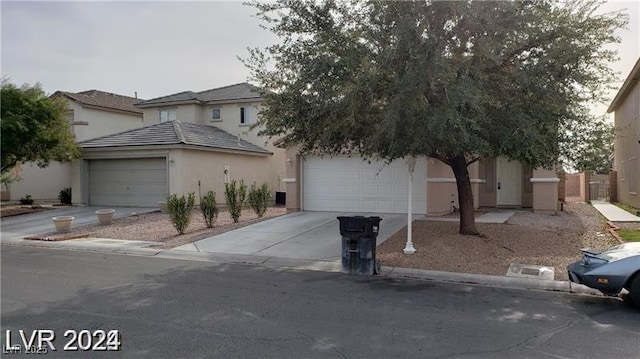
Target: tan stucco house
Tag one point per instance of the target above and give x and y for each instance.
(90, 114)
(347, 183)
(626, 106)
(189, 142)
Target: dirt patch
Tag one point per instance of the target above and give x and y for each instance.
(527, 238)
(157, 227)
(15, 210)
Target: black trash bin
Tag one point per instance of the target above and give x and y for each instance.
(359, 236)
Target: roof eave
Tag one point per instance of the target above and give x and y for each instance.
(234, 100)
(626, 87)
(167, 103)
(174, 146)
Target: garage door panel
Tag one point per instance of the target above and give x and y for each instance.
(371, 187)
(138, 182)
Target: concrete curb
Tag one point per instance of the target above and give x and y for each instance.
(489, 280)
(140, 248)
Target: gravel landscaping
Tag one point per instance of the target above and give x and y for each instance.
(157, 227)
(526, 238)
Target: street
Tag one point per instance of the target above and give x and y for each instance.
(164, 308)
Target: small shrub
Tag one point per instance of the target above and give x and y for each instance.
(259, 198)
(26, 200)
(208, 208)
(235, 195)
(180, 210)
(65, 196)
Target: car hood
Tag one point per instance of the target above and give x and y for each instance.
(621, 251)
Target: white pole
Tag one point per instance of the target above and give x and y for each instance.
(409, 249)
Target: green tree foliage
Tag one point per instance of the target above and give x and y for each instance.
(235, 195)
(34, 127)
(180, 209)
(209, 208)
(592, 147)
(454, 80)
(259, 198)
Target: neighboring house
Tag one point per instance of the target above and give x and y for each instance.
(348, 184)
(90, 114)
(626, 146)
(190, 142)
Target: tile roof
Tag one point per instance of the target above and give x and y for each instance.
(227, 94)
(103, 99)
(174, 133)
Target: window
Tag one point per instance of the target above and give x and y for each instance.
(243, 116)
(167, 115)
(215, 114)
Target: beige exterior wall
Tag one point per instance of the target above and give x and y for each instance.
(92, 122)
(291, 181)
(187, 167)
(442, 191)
(41, 183)
(627, 148)
(545, 191)
(487, 189)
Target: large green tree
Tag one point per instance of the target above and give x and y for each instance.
(34, 127)
(592, 147)
(454, 80)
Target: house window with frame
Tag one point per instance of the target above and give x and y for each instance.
(167, 115)
(215, 115)
(243, 116)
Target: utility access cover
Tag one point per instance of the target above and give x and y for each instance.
(530, 271)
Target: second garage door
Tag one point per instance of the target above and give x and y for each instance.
(128, 182)
(352, 185)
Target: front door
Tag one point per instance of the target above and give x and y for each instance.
(509, 183)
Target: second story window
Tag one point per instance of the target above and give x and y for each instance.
(215, 114)
(243, 116)
(167, 115)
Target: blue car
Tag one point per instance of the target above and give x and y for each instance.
(610, 271)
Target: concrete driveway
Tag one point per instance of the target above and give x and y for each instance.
(17, 227)
(300, 235)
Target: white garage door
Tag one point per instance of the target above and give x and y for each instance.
(138, 182)
(352, 185)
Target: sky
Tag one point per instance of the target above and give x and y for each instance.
(159, 48)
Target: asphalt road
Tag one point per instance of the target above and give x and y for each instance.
(182, 309)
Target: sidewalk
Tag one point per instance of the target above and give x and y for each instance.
(614, 213)
(141, 248)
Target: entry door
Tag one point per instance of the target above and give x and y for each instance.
(509, 183)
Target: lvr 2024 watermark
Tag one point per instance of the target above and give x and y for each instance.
(41, 341)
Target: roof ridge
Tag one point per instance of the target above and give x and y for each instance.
(177, 127)
(224, 87)
(173, 94)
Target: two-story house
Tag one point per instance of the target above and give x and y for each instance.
(190, 142)
(90, 114)
(626, 106)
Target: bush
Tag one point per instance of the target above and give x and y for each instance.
(208, 208)
(65, 196)
(235, 195)
(26, 200)
(259, 198)
(180, 210)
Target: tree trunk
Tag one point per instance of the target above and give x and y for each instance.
(465, 195)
